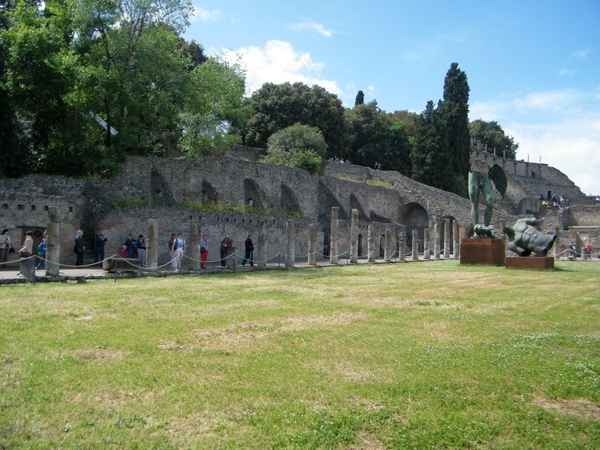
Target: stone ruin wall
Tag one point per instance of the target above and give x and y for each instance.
(532, 179)
(383, 199)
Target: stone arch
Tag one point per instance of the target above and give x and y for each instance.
(254, 195)
(327, 200)
(415, 217)
(160, 193)
(209, 192)
(355, 204)
(289, 202)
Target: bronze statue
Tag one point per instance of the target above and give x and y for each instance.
(479, 181)
(524, 239)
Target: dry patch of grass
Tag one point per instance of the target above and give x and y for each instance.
(580, 408)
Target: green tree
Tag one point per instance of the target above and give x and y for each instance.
(429, 156)
(40, 78)
(360, 98)
(377, 137)
(297, 146)
(275, 107)
(214, 107)
(369, 132)
(490, 137)
(136, 69)
(455, 112)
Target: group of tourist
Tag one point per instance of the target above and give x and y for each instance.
(340, 160)
(556, 200)
(26, 249)
(177, 249)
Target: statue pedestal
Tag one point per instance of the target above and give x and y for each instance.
(488, 252)
(530, 262)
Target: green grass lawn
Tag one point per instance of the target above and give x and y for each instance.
(425, 355)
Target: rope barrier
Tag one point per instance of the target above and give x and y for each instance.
(565, 253)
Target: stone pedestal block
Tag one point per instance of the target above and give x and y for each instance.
(27, 268)
(120, 264)
(530, 262)
(488, 252)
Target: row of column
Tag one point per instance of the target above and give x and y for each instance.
(193, 245)
(451, 240)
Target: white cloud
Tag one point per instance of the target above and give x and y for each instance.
(278, 62)
(566, 72)
(571, 147)
(312, 26)
(554, 101)
(557, 126)
(204, 15)
(488, 111)
(582, 54)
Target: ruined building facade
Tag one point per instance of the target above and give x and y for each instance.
(173, 191)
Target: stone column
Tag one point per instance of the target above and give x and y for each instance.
(455, 239)
(354, 237)
(415, 244)
(402, 244)
(193, 249)
(370, 246)
(387, 243)
(446, 238)
(436, 239)
(53, 243)
(290, 254)
(262, 247)
(556, 251)
(27, 268)
(333, 237)
(313, 233)
(232, 256)
(426, 253)
(152, 244)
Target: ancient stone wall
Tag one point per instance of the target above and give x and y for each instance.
(532, 179)
(170, 190)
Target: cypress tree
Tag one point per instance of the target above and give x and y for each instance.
(455, 113)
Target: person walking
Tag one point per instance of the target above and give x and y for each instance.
(179, 249)
(141, 250)
(249, 251)
(79, 247)
(42, 252)
(100, 243)
(203, 251)
(226, 244)
(172, 253)
(130, 243)
(27, 249)
(4, 245)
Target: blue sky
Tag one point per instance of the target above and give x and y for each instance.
(532, 66)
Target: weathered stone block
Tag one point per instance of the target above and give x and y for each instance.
(120, 263)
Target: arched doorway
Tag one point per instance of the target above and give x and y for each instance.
(415, 218)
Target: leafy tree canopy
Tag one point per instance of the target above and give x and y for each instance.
(299, 146)
(429, 155)
(490, 137)
(277, 106)
(84, 83)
